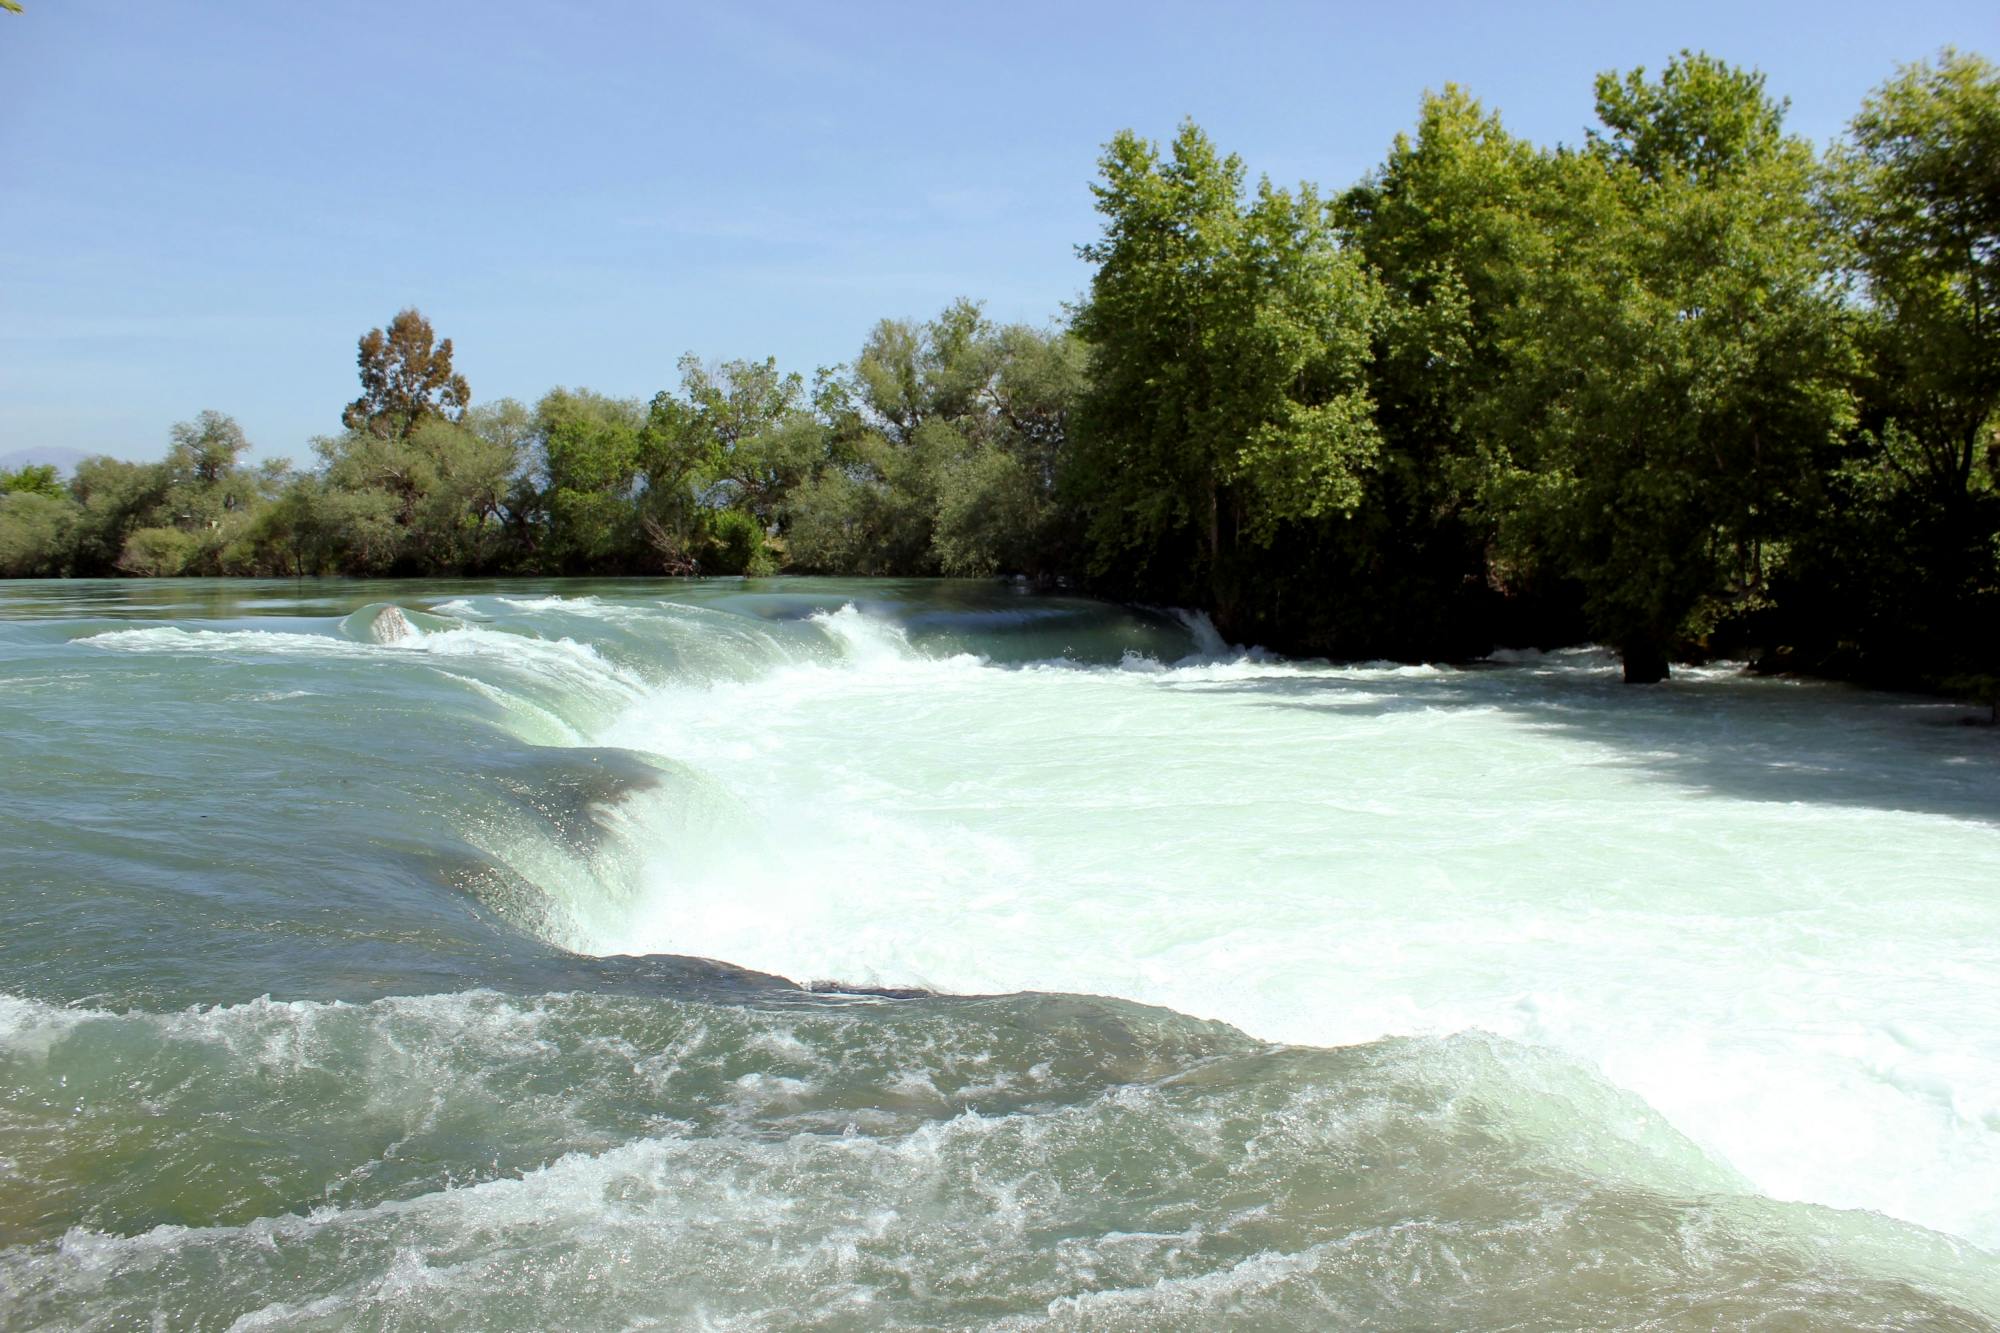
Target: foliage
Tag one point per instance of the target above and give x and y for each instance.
(32, 478)
(736, 546)
(1452, 224)
(590, 469)
(1678, 373)
(36, 534)
(1919, 199)
(1229, 339)
(406, 379)
(158, 552)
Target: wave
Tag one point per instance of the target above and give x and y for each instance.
(1014, 1162)
(987, 801)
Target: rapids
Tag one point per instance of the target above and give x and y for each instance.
(848, 955)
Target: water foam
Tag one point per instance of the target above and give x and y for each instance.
(1313, 853)
(1331, 855)
(1149, 1171)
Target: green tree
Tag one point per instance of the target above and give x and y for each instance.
(159, 552)
(1678, 374)
(1901, 578)
(1452, 223)
(997, 507)
(742, 425)
(591, 472)
(441, 490)
(1229, 343)
(206, 450)
(115, 498)
(406, 379)
(459, 521)
(36, 533)
(918, 401)
(32, 478)
(288, 535)
(1919, 200)
(209, 499)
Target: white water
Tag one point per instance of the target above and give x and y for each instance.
(1810, 989)
(1770, 911)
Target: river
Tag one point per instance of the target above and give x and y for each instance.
(848, 955)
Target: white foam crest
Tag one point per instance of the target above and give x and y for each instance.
(1329, 855)
(564, 662)
(1332, 854)
(864, 640)
(581, 605)
(31, 1028)
(1588, 658)
(1208, 640)
(1131, 1204)
(592, 608)
(173, 639)
(564, 659)
(287, 1035)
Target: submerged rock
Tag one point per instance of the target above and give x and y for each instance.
(390, 625)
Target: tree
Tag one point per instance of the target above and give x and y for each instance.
(906, 412)
(1903, 571)
(1452, 223)
(1229, 340)
(590, 466)
(1678, 373)
(206, 490)
(743, 426)
(36, 537)
(206, 449)
(1702, 122)
(1449, 223)
(430, 500)
(406, 379)
(997, 507)
(115, 498)
(32, 478)
(1919, 199)
(159, 553)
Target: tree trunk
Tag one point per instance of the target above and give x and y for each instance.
(1645, 663)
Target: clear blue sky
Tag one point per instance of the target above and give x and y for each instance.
(203, 203)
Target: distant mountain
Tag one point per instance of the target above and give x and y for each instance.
(64, 459)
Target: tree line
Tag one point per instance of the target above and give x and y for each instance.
(1692, 385)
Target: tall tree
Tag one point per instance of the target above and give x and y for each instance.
(34, 478)
(1229, 341)
(1452, 224)
(206, 449)
(1919, 198)
(591, 466)
(406, 379)
(743, 426)
(1677, 372)
(1902, 576)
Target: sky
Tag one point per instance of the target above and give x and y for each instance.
(203, 204)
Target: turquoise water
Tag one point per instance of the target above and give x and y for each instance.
(808, 954)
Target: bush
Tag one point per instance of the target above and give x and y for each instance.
(736, 546)
(991, 518)
(35, 535)
(158, 552)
